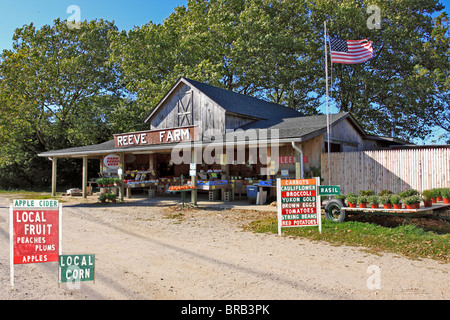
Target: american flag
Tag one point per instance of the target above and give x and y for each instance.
(350, 51)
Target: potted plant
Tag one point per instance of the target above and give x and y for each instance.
(117, 181)
(410, 202)
(352, 199)
(373, 200)
(396, 201)
(112, 197)
(100, 182)
(362, 201)
(103, 197)
(386, 201)
(427, 195)
(445, 193)
(439, 194)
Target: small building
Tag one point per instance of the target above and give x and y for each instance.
(215, 137)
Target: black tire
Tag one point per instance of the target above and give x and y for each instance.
(333, 211)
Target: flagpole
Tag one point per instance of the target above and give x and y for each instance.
(328, 112)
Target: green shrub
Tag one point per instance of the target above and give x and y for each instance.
(352, 198)
(385, 193)
(373, 199)
(386, 199)
(408, 193)
(428, 195)
(445, 193)
(366, 193)
(396, 199)
(362, 199)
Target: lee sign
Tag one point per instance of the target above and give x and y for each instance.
(298, 203)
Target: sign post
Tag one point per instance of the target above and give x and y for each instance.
(299, 204)
(35, 232)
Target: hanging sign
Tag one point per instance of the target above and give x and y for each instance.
(112, 161)
(35, 232)
(298, 203)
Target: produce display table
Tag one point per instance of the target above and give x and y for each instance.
(260, 200)
(212, 188)
(183, 195)
(336, 211)
(130, 186)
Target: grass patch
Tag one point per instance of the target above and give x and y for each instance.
(408, 240)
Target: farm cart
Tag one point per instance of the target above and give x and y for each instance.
(335, 210)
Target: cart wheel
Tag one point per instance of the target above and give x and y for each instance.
(333, 211)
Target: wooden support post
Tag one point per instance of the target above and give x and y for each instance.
(120, 173)
(85, 175)
(54, 166)
(194, 178)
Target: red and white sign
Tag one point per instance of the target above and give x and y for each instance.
(290, 159)
(298, 203)
(35, 231)
(112, 161)
(36, 235)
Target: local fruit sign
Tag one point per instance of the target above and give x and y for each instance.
(298, 203)
(35, 231)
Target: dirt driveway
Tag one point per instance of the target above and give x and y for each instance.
(147, 251)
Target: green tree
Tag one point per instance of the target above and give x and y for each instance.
(58, 90)
(398, 88)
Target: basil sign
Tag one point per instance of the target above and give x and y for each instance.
(329, 190)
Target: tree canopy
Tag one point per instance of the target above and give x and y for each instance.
(62, 87)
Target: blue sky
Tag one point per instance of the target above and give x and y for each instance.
(125, 13)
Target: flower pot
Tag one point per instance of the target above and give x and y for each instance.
(439, 198)
(374, 206)
(447, 200)
(363, 205)
(433, 200)
(352, 205)
(397, 206)
(387, 206)
(410, 206)
(427, 204)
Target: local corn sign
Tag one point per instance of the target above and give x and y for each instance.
(35, 232)
(298, 202)
(76, 268)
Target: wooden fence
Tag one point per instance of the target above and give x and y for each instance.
(394, 170)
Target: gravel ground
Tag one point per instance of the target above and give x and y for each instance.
(147, 250)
